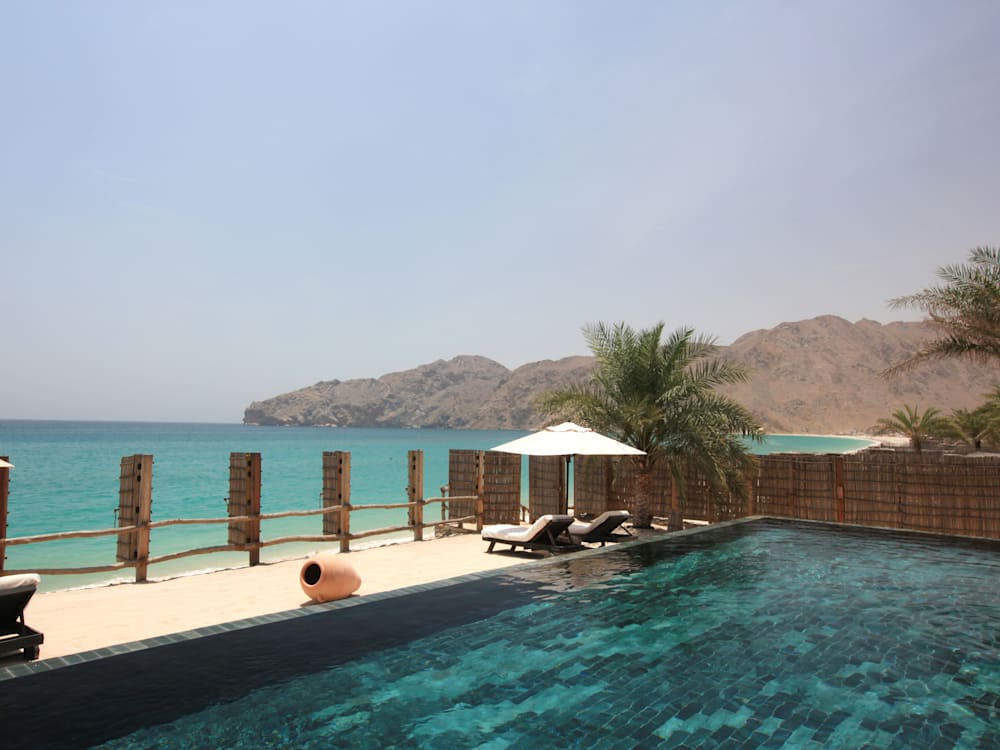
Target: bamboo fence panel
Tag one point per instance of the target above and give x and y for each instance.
(661, 490)
(622, 494)
(462, 472)
(928, 503)
(967, 495)
(546, 485)
(724, 506)
(816, 487)
(983, 492)
(700, 501)
(774, 487)
(502, 487)
(592, 478)
(797, 486)
(927, 491)
(695, 503)
(871, 490)
(820, 488)
(623, 486)
(930, 491)
(696, 497)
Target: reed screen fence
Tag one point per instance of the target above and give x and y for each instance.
(929, 491)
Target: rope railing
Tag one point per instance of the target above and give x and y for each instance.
(135, 525)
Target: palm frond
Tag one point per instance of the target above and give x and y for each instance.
(966, 309)
(657, 393)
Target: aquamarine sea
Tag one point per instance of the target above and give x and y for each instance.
(66, 479)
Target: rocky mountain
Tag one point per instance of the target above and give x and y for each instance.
(824, 375)
(462, 393)
(821, 375)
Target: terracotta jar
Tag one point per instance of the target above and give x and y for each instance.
(326, 576)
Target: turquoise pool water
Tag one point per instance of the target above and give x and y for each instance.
(760, 635)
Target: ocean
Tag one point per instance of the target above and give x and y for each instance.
(66, 479)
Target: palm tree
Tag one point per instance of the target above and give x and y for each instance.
(914, 424)
(979, 425)
(966, 308)
(972, 427)
(659, 396)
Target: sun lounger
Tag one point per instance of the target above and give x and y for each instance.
(602, 529)
(15, 591)
(548, 533)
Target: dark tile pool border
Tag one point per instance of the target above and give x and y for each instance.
(22, 669)
(11, 671)
(14, 670)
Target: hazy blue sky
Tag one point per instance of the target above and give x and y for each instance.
(207, 203)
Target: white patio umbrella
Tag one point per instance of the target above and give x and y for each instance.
(567, 439)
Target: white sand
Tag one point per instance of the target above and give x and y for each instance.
(87, 619)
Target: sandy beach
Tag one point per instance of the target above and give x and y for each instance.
(86, 619)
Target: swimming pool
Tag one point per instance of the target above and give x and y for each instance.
(760, 634)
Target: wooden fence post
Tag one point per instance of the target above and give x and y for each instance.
(244, 500)
(675, 518)
(480, 489)
(4, 495)
(711, 499)
(415, 490)
(838, 482)
(336, 488)
(337, 491)
(135, 508)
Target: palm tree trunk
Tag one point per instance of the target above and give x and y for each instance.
(643, 495)
(674, 517)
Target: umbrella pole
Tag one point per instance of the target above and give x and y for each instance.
(565, 498)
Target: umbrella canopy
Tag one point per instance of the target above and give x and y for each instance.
(568, 439)
(5, 464)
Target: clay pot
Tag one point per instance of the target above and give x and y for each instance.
(326, 576)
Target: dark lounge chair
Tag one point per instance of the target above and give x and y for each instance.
(15, 591)
(548, 534)
(602, 529)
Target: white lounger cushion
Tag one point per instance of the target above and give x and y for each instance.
(515, 533)
(579, 528)
(19, 581)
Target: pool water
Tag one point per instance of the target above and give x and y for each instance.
(759, 635)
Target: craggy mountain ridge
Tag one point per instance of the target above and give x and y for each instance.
(821, 375)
